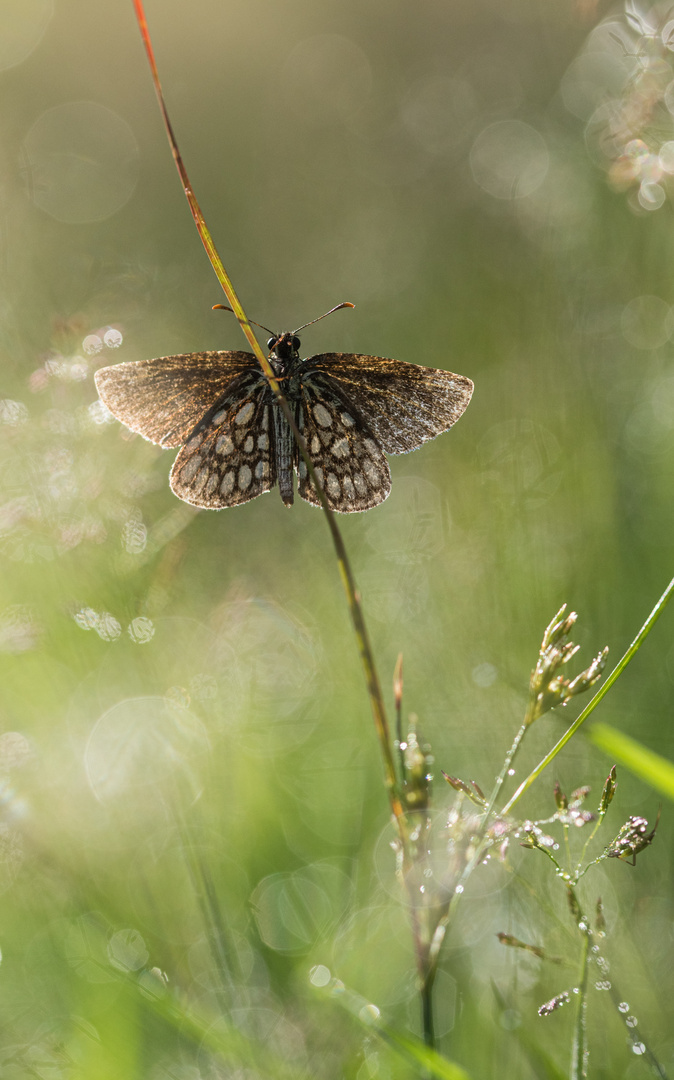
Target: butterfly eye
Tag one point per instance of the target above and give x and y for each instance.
(296, 343)
(271, 343)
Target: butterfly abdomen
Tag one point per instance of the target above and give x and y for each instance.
(284, 445)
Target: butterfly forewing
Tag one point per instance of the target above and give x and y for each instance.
(403, 405)
(349, 464)
(165, 398)
(219, 407)
(229, 456)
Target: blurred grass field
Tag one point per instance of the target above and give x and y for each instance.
(183, 715)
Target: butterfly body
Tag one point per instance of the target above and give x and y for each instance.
(236, 442)
(285, 362)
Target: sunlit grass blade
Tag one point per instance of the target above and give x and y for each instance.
(650, 767)
(416, 1052)
(221, 1038)
(199, 221)
(407, 1047)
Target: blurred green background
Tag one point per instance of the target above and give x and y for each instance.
(183, 712)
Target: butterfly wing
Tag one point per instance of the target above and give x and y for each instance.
(165, 398)
(349, 464)
(403, 405)
(229, 457)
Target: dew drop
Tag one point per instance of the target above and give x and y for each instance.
(319, 975)
(369, 1014)
(141, 630)
(623, 1007)
(511, 772)
(638, 1048)
(459, 889)
(78, 370)
(92, 344)
(112, 338)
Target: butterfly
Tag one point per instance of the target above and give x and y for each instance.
(235, 442)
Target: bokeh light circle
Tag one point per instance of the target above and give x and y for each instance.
(81, 161)
(326, 78)
(140, 742)
(23, 25)
(647, 322)
(509, 159)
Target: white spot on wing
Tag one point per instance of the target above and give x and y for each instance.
(321, 415)
(347, 420)
(227, 483)
(333, 486)
(201, 478)
(371, 472)
(224, 445)
(189, 470)
(263, 441)
(244, 414)
(245, 477)
(249, 444)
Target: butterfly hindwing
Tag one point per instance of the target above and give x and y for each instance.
(403, 405)
(163, 399)
(350, 465)
(235, 443)
(229, 456)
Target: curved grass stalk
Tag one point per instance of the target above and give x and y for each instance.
(346, 573)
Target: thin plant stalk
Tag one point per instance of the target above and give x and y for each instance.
(346, 573)
(579, 1048)
(482, 841)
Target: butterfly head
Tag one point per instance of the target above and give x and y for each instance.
(283, 349)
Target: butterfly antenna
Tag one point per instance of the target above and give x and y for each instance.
(312, 321)
(223, 307)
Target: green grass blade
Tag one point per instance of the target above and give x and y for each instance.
(601, 693)
(407, 1047)
(650, 767)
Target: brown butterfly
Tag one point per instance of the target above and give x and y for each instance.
(236, 443)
